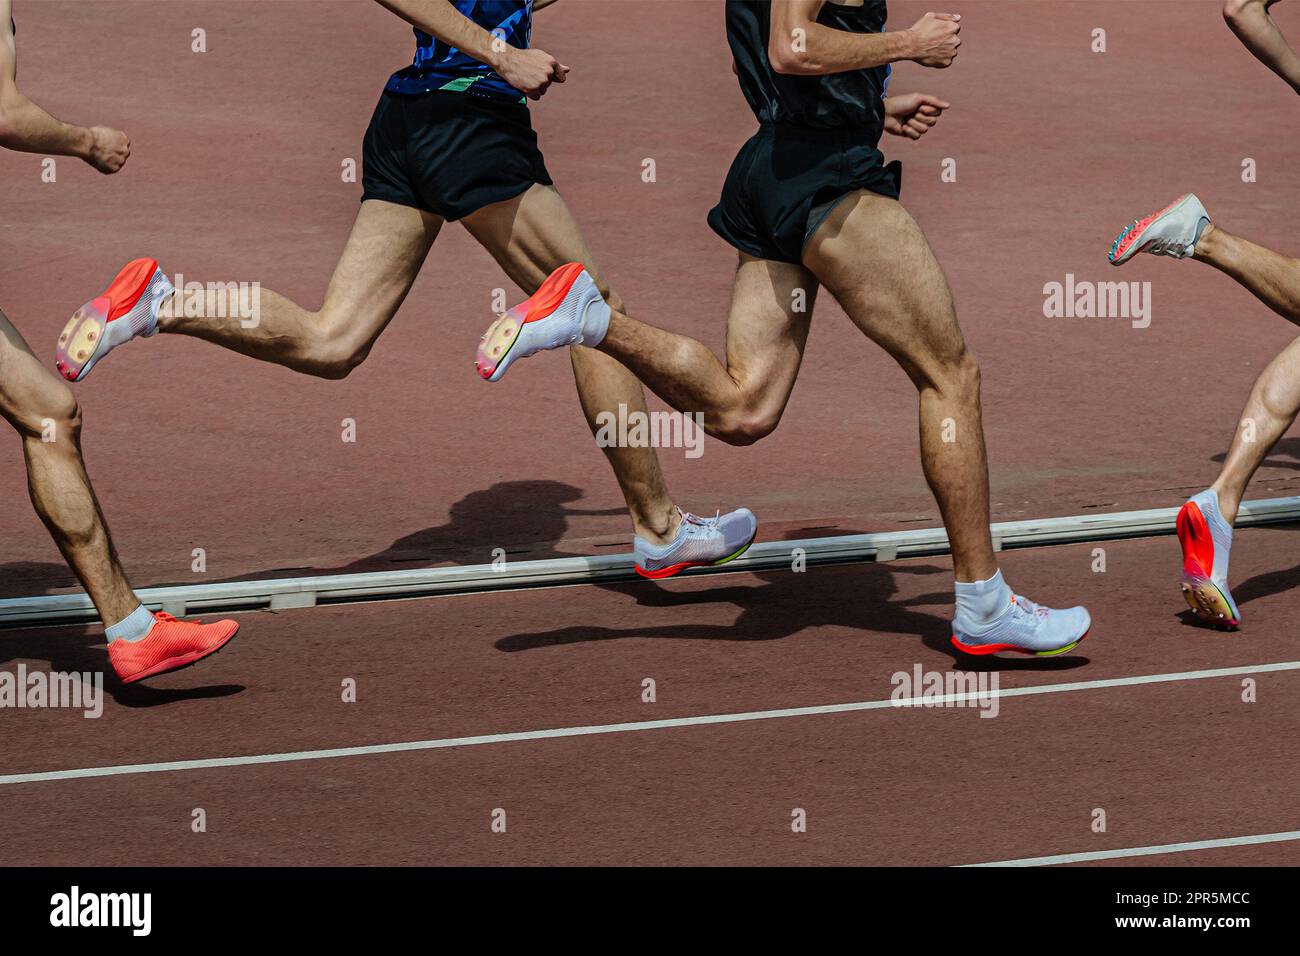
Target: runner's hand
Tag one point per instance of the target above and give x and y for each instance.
(530, 71)
(109, 149)
(936, 39)
(912, 114)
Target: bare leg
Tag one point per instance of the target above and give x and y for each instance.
(530, 237)
(384, 253)
(1254, 26)
(46, 415)
(1272, 277)
(771, 311)
(871, 255)
(1275, 398)
(1272, 407)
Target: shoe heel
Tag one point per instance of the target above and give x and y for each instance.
(1194, 538)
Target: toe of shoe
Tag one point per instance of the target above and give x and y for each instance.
(1080, 621)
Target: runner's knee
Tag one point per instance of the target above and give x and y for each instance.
(745, 426)
(49, 413)
(1234, 10)
(957, 375)
(334, 350)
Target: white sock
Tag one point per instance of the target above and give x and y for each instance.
(134, 627)
(595, 323)
(979, 602)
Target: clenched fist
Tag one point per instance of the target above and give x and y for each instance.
(935, 39)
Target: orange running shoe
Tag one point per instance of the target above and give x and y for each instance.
(169, 646)
(126, 310)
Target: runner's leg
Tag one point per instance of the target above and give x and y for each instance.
(1270, 410)
(530, 237)
(383, 255)
(767, 328)
(45, 414)
(871, 255)
(1273, 278)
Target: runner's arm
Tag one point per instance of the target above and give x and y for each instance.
(540, 4)
(23, 124)
(798, 44)
(529, 71)
(1250, 20)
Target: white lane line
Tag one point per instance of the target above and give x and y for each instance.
(591, 730)
(1288, 836)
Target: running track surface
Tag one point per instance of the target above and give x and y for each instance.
(236, 175)
(236, 168)
(1170, 762)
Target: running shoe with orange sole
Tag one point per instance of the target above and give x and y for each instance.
(1206, 539)
(169, 646)
(127, 309)
(567, 309)
(1173, 231)
(1025, 628)
(699, 543)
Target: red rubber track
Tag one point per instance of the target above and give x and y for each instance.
(236, 167)
(235, 174)
(1169, 762)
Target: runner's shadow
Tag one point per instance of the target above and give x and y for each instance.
(1290, 447)
(25, 578)
(786, 603)
(525, 519)
(1270, 582)
(81, 650)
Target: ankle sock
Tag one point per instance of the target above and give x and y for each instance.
(979, 602)
(134, 627)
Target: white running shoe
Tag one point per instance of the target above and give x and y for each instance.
(700, 542)
(1024, 627)
(567, 309)
(1173, 231)
(128, 309)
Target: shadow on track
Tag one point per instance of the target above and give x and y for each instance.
(81, 650)
(786, 603)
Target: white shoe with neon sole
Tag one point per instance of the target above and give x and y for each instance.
(128, 309)
(567, 309)
(1026, 628)
(699, 543)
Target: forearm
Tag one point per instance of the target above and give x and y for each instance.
(539, 4)
(440, 19)
(818, 49)
(1251, 22)
(26, 127)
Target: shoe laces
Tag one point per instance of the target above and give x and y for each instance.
(163, 616)
(695, 525)
(1029, 607)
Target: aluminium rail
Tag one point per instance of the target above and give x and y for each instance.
(280, 593)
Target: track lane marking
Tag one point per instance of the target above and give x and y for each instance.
(208, 763)
(1060, 858)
